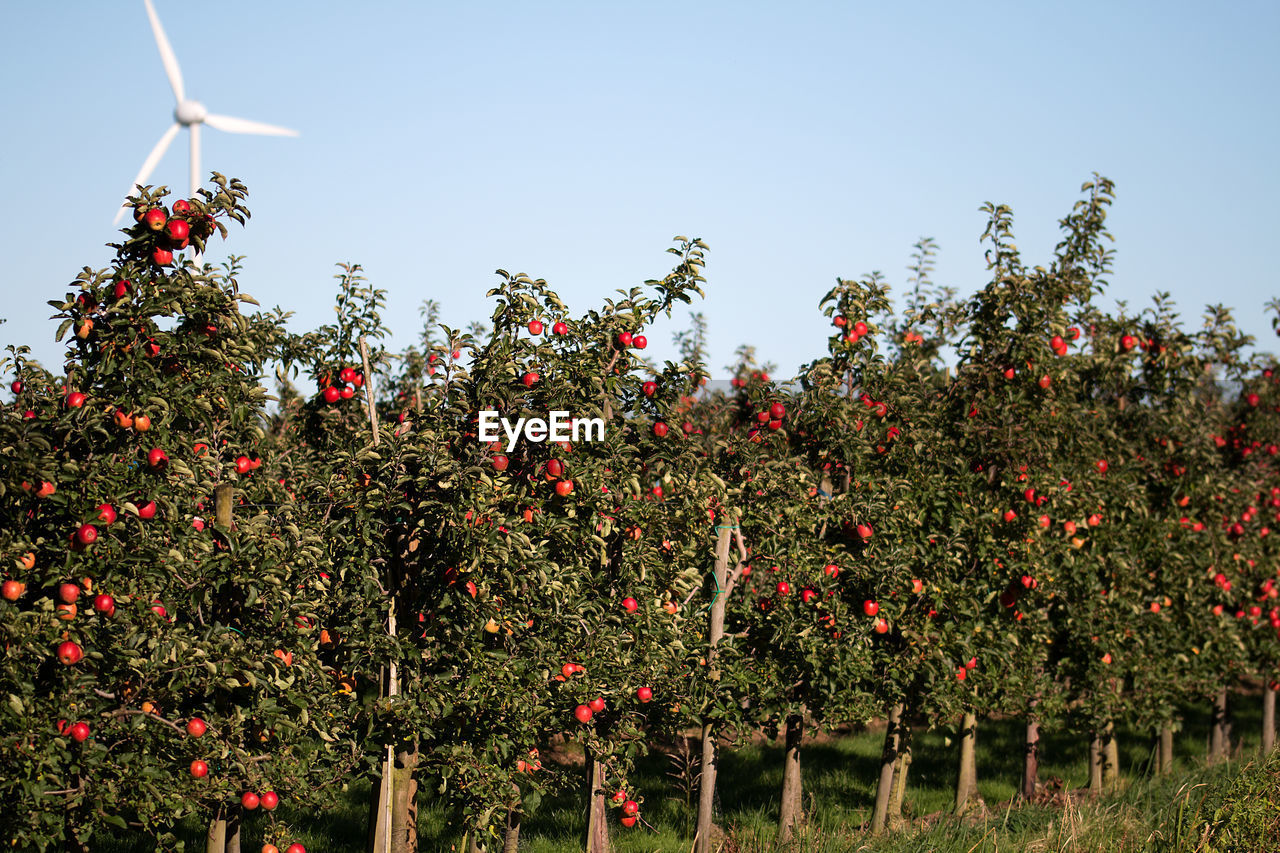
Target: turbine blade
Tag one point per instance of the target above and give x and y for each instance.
(229, 124)
(166, 54)
(149, 165)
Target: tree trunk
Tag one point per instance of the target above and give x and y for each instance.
(597, 824)
(404, 802)
(1268, 718)
(1031, 759)
(379, 812)
(1095, 764)
(234, 816)
(888, 763)
(707, 768)
(967, 779)
(791, 814)
(899, 789)
(1164, 759)
(511, 840)
(1220, 731)
(1111, 754)
(216, 838)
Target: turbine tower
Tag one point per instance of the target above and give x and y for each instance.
(190, 114)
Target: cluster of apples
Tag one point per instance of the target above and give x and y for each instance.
(854, 333)
(350, 379)
(173, 232)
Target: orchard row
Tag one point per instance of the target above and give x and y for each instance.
(218, 600)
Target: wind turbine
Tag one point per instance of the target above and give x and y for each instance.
(189, 114)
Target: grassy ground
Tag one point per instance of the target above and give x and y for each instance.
(839, 775)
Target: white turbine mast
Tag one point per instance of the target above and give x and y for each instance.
(189, 114)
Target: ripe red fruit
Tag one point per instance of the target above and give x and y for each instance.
(871, 608)
(583, 713)
(564, 488)
(158, 609)
(630, 807)
(560, 329)
(12, 590)
(199, 769)
(660, 429)
(1045, 521)
(644, 694)
(1252, 400)
(639, 342)
(1128, 342)
(596, 704)
(687, 428)
(864, 531)
(87, 534)
(347, 393)
(1094, 520)
(79, 732)
(1009, 373)
(182, 206)
(807, 595)
(628, 821)
(332, 395)
(249, 800)
(917, 586)
(530, 379)
(296, 848)
(270, 800)
(624, 339)
(1045, 382)
(157, 458)
(535, 327)
(196, 727)
(147, 510)
(555, 467)
(1057, 343)
(161, 257)
(1101, 465)
(68, 593)
(831, 570)
(75, 400)
(69, 653)
(777, 410)
(155, 218)
(630, 604)
(961, 674)
(783, 588)
(649, 388)
(243, 465)
(177, 230)
(775, 425)
(860, 328)
(1009, 515)
(500, 462)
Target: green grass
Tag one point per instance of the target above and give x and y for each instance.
(1159, 815)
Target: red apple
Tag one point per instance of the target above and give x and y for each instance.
(1045, 382)
(871, 608)
(530, 379)
(628, 820)
(660, 429)
(69, 653)
(79, 732)
(270, 800)
(583, 713)
(831, 570)
(630, 807)
(649, 388)
(624, 339)
(196, 727)
(147, 510)
(1101, 465)
(554, 467)
(881, 626)
(500, 462)
(564, 488)
(155, 218)
(75, 400)
(249, 800)
(864, 531)
(560, 329)
(106, 513)
(917, 586)
(596, 704)
(630, 604)
(332, 394)
(243, 465)
(157, 458)
(199, 769)
(644, 694)
(177, 230)
(296, 848)
(639, 342)
(783, 588)
(161, 257)
(12, 590)
(1009, 515)
(68, 593)
(87, 534)
(1128, 342)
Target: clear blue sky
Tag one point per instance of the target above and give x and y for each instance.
(571, 141)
